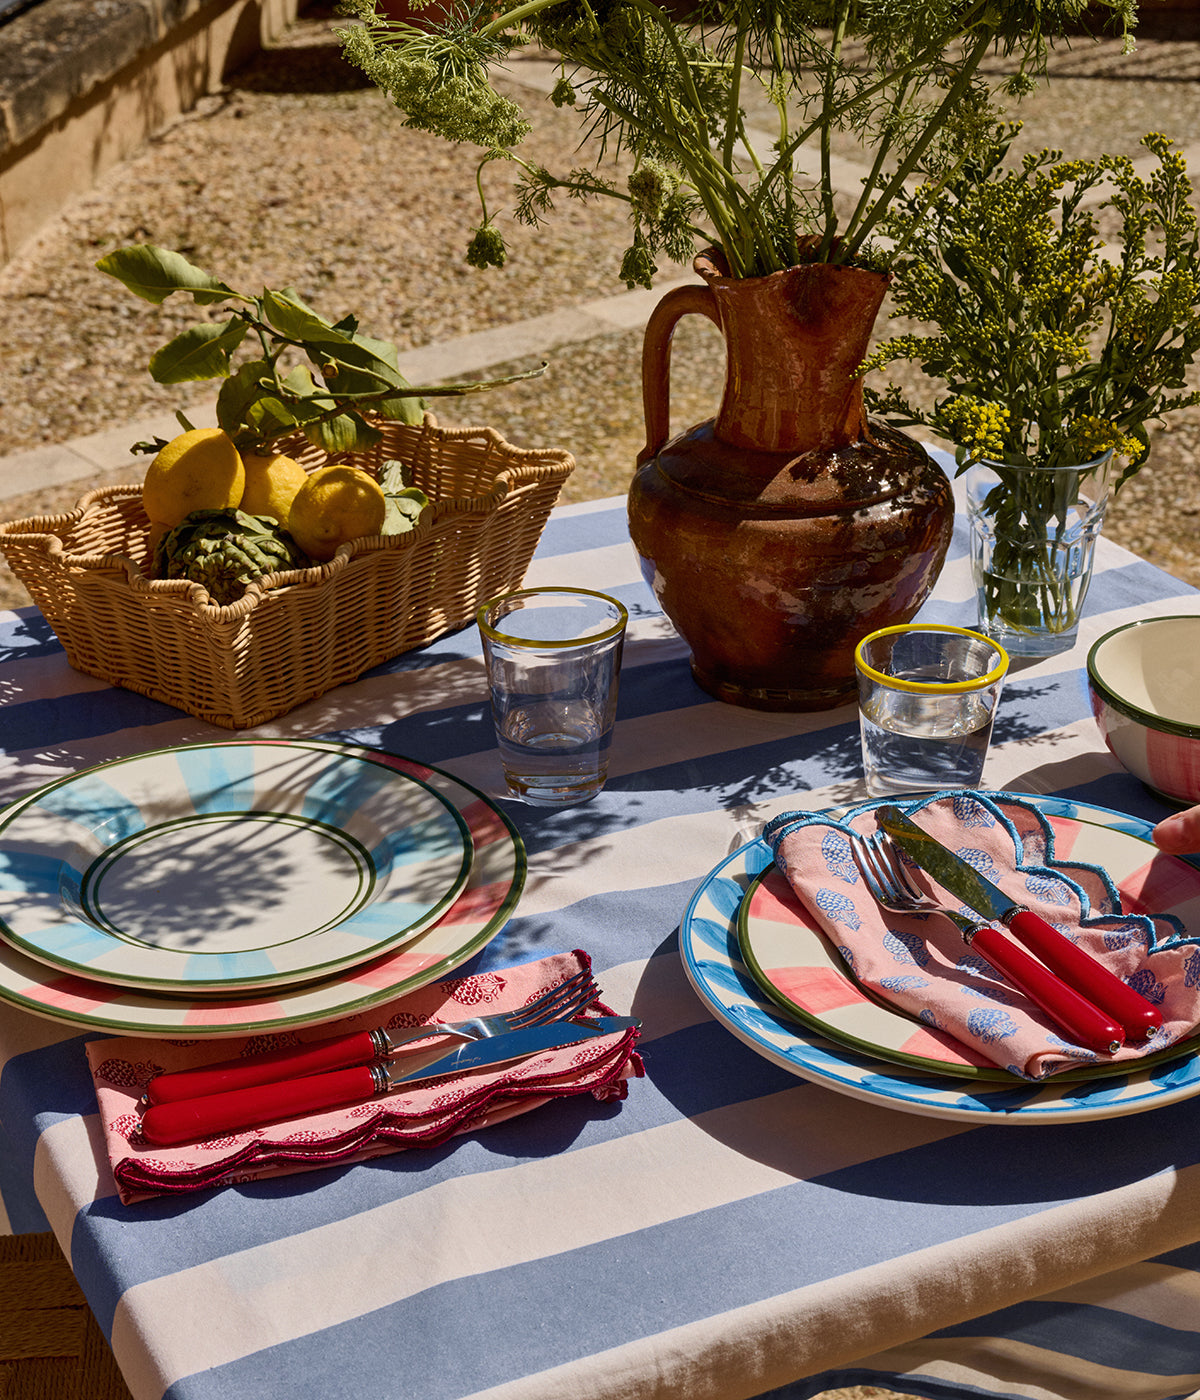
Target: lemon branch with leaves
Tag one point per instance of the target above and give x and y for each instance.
(261, 400)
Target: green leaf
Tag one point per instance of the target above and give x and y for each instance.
(149, 447)
(200, 352)
(300, 382)
(269, 417)
(290, 317)
(394, 476)
(153, 273)
(348, 432)
(237, 394)
(403, 510)
(364, 365)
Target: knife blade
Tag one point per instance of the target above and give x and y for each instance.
(192, 1120)
(1136, 1016)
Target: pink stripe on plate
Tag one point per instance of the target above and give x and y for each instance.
(485, 825)
(815, 989)
(75, 994)
(937, 1045)
(774, 900)
(1162, 883)
(1066, 834)
(403, 765)
(475, 905)
(393, 968)
(227, 1013)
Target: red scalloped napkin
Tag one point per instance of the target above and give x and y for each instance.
(422, 1116)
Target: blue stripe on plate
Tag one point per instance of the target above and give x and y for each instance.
(218, 779)
(96, 805)
(23, 870)
(380, 920)
(74, 941)
(344, 788)
(201, 967)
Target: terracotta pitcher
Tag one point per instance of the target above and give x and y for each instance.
(780, 533)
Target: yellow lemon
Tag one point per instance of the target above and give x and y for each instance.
(271, 485)
(334, 505)
(199, 470)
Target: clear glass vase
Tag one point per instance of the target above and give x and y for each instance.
(1033, 540)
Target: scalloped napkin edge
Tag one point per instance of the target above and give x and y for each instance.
(424, 1116)
(920, 963)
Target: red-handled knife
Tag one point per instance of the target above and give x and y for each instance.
(1137, 1018)
(193, 1120)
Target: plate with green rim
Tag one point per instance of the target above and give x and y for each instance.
(477, 916)
(223, 868)
(799, 969)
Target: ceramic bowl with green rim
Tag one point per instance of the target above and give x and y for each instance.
(1144, 682)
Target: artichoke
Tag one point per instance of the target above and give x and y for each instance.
(225, 550)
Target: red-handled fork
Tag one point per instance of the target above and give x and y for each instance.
(358, 1048)
(891, 886)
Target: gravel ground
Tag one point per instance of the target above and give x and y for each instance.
(299, 174)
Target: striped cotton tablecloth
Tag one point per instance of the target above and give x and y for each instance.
(730, 1229)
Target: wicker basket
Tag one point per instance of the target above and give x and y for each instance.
(293, 635)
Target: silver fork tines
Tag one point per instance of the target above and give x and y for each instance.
(555, 1004)
(891, 885)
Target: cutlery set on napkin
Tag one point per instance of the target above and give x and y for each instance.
(959, 911)
(176, 1119)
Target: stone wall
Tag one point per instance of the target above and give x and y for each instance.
(83, 83)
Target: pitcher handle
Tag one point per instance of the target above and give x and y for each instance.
(656, 358)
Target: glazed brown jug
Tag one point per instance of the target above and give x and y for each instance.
(778, 534)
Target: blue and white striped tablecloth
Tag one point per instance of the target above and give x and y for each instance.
(729, 1230)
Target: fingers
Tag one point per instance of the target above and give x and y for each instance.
(1180, 833)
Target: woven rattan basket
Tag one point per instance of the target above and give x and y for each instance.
(293, 635)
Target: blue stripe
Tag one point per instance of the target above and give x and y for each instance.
(84, 716)
(1092, 1334)
(26, 635)
(92, 802)
(572, 534)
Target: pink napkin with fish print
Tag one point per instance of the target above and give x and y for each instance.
(920, 963)
(423, 1115)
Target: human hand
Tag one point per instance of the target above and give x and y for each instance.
(1179, 833)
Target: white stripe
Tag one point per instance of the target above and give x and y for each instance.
(604, 568)
(241, 1303)
(67, 1174)
(1155, 1292)
(590, 507)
